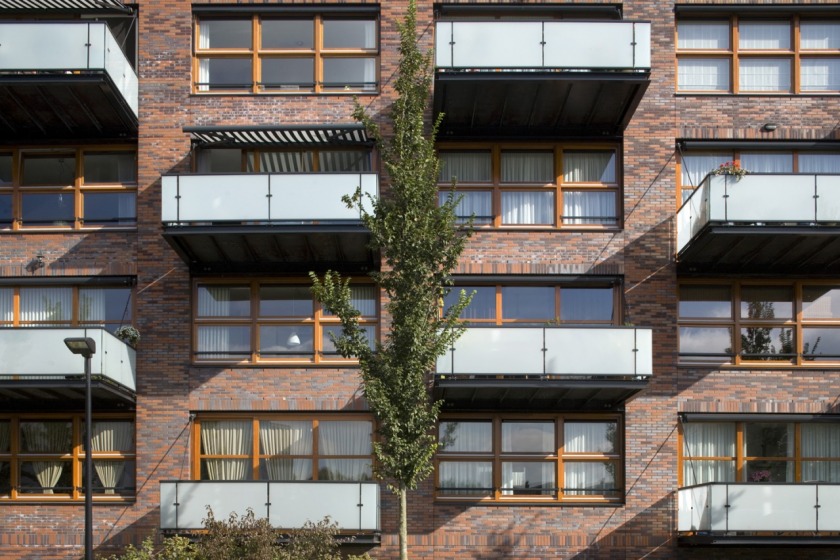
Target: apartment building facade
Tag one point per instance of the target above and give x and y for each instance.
(652, 353)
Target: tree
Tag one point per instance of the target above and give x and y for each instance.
(421, 242)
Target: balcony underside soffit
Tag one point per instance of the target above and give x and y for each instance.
(63, 394)
(533, 105)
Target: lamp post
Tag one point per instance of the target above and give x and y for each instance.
(87, 348)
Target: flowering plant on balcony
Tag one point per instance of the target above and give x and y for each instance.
(730, 168)
(128, 334)
(760, 476)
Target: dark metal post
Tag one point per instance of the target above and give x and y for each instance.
(88, 486)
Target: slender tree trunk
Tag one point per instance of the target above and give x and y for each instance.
(403, 494)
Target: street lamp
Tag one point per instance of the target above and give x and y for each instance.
(87, 348)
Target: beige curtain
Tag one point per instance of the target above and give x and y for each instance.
(47, 437)
(287, 438)
(226, 437)
(111, 436)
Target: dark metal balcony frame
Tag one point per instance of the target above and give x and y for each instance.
(18, 394)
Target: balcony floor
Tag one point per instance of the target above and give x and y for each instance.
(531, 105)
(534, 393)
(769, 540)
(758, 248)
(43, 106)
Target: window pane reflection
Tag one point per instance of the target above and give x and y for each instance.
(766, 302)
(705, 301)
(521, 302)
(763, 343)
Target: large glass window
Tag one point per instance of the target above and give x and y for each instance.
(264, 53)
(537, 305)
(228, 160)
(756, 323)
(766, 58)
(556, 458)
(270, 322)
(769, 452)
(290, 447)
(695, 165)
(42, 458)
(68, 188)
(66, 306)
(542, 186)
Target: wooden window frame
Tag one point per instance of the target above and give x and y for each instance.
(559, 457)
(558, 186)
(317, 321)
(255, 456)
(256, 54)
(500, 320)
(740, 458)
(797, 323)
(75, 320)
(75, 457)
(17, 190)
(795, 54)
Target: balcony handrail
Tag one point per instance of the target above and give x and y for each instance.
(759, 506)
(579, 45)
(257, 496)
(263, 198)
(556, 351)
(760, 199)
(29, 46)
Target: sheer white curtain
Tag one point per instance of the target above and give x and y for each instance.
(589, 207)
(708, 439)
(703, 35)
(223, 342)
(47, 437)
(345, 438)
(204, 64)
(286, 162)
(590, 437)
(528, 478)
(92, 305)
(46, 304)
(464, 167)
(227, 437)
(111, 436)
(6, 304)
(819, 74)
(223, 301)
(287, 438)
(695, 167)
(588, 477)
(764, 35)
(703, 74)
(767, 163)
(821, 441)
(472, 203)
(819, 163)
(527, 167)
(344, 160)
(764, 74)
(589, 167)
(466, 437)
(464, 476)
(819, 35)
(528, 207)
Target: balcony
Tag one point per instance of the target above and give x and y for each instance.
(259, 222)
(354, 506)
(750, 513)
(545, 368)
(774, 223)
(36, 368)
(527, 79)
(64, 80)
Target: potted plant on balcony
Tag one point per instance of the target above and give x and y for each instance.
(128, 334)
(730, 168)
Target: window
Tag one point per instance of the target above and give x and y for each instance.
(759, 323)
(265, 160)
(749, 55)
(287, 448)
(695, 165)
(68, 187)
(533, 458)
(271, 322)
(769, 452)
(66, 306)
(542, 186)
(294, 53)
(42, 458)
(534, 304)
